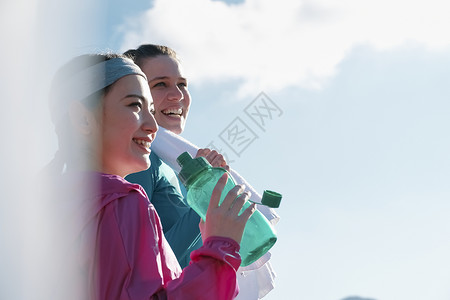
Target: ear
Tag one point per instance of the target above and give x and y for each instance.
(82, 119)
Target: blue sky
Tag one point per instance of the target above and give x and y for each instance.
(360, 148)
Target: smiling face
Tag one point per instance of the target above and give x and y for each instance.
(128, 127)
(169, 91)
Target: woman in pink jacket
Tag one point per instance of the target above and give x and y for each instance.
(113, 242)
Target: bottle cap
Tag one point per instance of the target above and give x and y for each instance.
(271, 199)
(183, 158)
(190, 167)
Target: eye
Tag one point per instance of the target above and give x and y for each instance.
(182, 84)
(136, 104)
(161, 84)
(152, 109)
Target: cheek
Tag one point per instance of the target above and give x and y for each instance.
(158, 98)
(187, 101)
(117, 131)
(159, 118)
(109, 138)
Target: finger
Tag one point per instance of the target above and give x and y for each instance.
(211, 156)
(248, 212)
(239, 203)
(217, 191)
(217, 161)
(201, 225)
(203, 152)
(231, 196)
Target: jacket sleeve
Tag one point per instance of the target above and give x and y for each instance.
(211, 273)
(136, 262)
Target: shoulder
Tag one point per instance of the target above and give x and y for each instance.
(114, 187)
(128, 200)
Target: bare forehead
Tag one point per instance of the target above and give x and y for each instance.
(162, 66)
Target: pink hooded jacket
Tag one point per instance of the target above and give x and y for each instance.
(128, 257)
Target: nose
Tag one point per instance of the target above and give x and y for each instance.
(175, 94)
(149, 123)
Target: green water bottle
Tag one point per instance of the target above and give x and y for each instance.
(200, 178)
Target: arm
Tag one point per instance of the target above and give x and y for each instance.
(212, 272)
(135, 261)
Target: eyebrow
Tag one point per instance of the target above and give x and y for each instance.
(135, 96)
(163, 78)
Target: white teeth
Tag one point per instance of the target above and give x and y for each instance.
(173, 111)
(146, 144)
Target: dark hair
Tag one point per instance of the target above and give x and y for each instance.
(149, 51)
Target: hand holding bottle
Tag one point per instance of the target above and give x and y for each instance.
(213, 157)
(207, 187)
(224, 219)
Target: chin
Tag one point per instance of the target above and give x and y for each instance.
(142, 166)
(176, 129)
(147, 164)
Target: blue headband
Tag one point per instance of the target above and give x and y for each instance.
(91, 80)
(101, 75)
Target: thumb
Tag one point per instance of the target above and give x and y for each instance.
(201, 226)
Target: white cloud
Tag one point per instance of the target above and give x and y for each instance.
(271, 45)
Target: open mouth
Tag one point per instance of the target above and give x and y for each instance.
(177, 112)
(143, 143)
